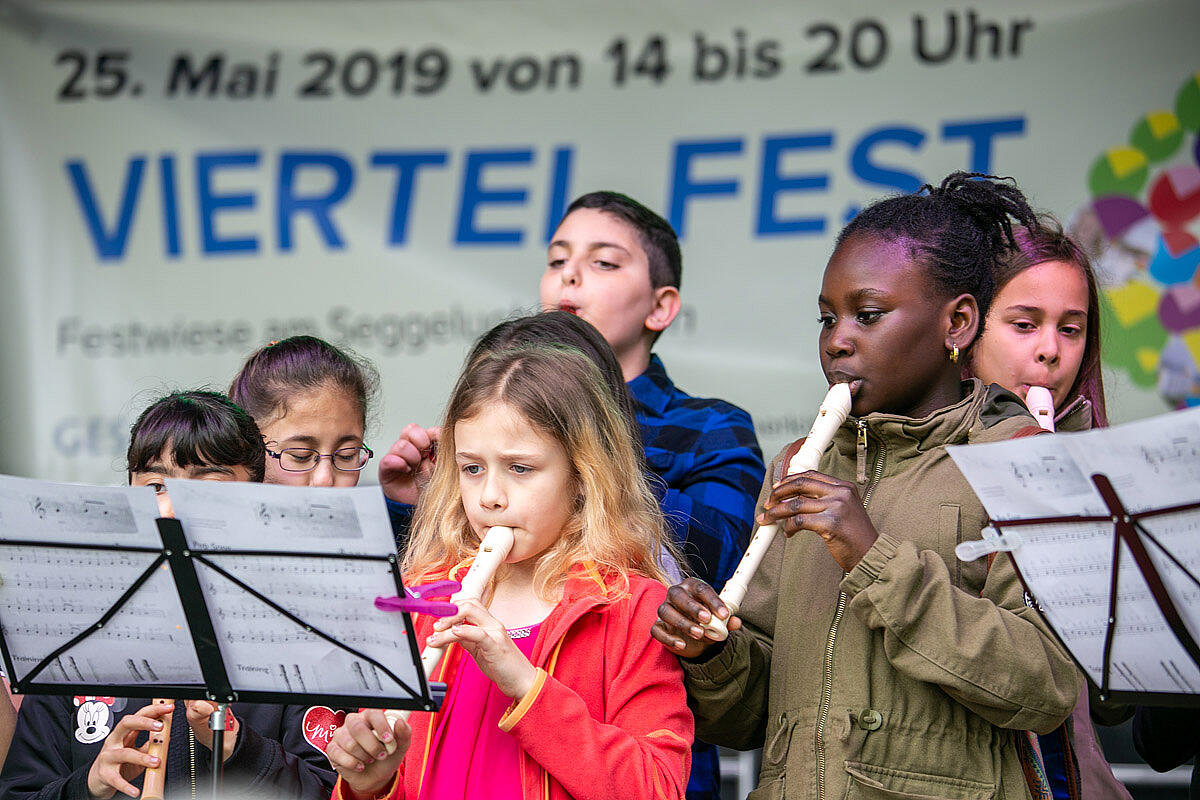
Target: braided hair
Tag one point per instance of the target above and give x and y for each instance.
(959, 231)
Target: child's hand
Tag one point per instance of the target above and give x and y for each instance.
(828, 507)
(359, 751)
(681, 619)
(119, 761)
(484, 637)
(198, 712)
(406, 466)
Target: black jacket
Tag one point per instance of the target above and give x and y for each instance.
(58, 738)
(1167, 738)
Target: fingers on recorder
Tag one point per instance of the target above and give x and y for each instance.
(681, 619)
(828, 507)
(809, 501)
(365, 739)
(118, 760)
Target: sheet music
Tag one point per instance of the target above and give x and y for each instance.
(264, 650)
(75, 513)
(68, 591)
(1152, 464)
(225, 516)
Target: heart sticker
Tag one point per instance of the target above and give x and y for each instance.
(319, 724)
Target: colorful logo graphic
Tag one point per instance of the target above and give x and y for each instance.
(1141, 228)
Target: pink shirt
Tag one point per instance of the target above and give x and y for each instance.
(470, 756)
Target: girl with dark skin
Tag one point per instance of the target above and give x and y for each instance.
(887, 335)
(866, 659)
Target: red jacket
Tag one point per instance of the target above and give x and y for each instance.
(607, 716)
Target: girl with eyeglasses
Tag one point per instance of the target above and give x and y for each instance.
(310, 400)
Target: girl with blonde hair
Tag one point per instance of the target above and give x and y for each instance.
(556, 689)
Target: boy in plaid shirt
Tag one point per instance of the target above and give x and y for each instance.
(617, 265)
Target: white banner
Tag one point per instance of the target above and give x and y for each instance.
(180, 183)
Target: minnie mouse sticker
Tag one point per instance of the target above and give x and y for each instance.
(93, 720)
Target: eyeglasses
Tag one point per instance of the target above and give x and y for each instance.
(305, 459)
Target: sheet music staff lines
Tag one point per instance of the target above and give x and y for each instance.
(298, 621)
(1113, 568)
(98, 624)
(312, 518)
(180, 608)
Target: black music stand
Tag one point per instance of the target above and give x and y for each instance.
(1128, 530)
(212, 680)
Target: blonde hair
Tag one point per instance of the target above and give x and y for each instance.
(616, 527)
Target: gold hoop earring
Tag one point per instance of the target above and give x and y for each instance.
(954, 355)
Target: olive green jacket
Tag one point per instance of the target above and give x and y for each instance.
(911, 675)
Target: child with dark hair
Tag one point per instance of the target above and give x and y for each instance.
(1043, 329)
(658, 239)
(1044, 326)
(198, 434)
(618, 265)
(85, 748)
(868, 659)
(310, 399)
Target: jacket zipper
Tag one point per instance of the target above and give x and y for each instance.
(192, 759)
(878, 473)
(827, 678)
(861, 451)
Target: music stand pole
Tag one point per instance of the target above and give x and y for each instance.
(218, 721)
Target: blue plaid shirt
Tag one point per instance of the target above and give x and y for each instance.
(710, 470)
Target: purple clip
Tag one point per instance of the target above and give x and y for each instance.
(416, 603)
(436, 589)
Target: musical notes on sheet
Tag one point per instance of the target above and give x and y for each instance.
(90, 515)
(64, 512)
(1177, 460)
(333, 517)
(1068, 566)
(230, 516)
(50, 596)
(1051, 473)
(261, 637)
(333, 595)
(330, 595)
(321, 554)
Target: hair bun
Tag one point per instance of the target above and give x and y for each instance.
(992, 201)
